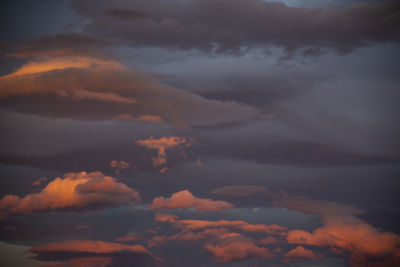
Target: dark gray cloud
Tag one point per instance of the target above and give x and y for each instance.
(227, 26)
(62, 44)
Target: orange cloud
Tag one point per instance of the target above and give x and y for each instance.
(271, 229)
(185, 200)
(233, 246)
(343, 231)
(143, 118)
(74, 191)
(163, 143)
(79, 62)
(299, 253)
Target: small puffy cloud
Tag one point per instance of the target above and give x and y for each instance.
(299, 253)
(39, 181)
(73, 191)
(239, 190)
(233, 246)
(163, 143)
(119, 166)
(186, 200)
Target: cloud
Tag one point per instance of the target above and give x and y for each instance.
(196, 225)
(82, 262)
(233, 246)
(197, 24)
(84, 87)
(218, 237)
(142, 118)
(89, 246)
(119, 166)
(185, 200)
(39, 181)
(132, 236)
(83, 227)
(214, 232)
(299, 253)
(342, 231)
(73, 191)
(239, 190)
(59, 45)
(269, 240)
(163, 143)
(78, 252)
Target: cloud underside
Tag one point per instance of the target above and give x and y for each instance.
(92, 88)
(197, 24)
(92, 253)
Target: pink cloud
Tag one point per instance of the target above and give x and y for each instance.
(185, 200)
(299, 253)
(233, 246)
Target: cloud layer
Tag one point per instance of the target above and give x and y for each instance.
(197, 24)
(85, 87)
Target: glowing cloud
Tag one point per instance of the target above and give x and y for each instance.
(342, 231)
(299, 253)
(163, 143)
(142, 118)
(185, 200)
(233, 246)
(74, 191)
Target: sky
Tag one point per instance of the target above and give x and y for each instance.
(199, 133)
